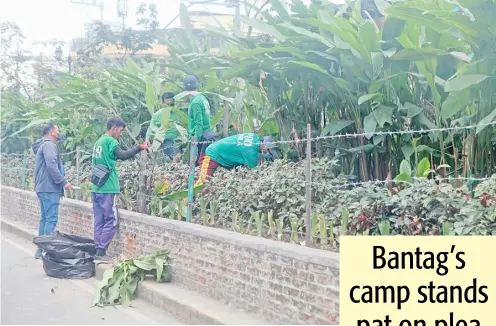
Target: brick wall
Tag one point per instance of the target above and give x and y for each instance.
(281, 282)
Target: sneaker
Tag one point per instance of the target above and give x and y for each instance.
(37, 255)
(101, 256)
(100, 252)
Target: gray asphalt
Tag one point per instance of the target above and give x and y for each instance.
(29, 296)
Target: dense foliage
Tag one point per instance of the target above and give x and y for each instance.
(270, 201)
(374, 74)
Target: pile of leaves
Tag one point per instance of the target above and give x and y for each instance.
(119, 283)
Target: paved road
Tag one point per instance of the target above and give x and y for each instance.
(27, 296)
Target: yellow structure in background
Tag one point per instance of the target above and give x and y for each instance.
(199, 20)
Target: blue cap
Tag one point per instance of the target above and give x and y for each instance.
(190, 83)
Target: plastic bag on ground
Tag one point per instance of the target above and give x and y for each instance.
(67, 256)
(65, 244)
(81, 268)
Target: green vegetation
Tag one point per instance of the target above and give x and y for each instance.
(119, 283)
(382, 73)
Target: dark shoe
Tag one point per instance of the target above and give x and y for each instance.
(101, 256)
(37, 255)
(100, 252)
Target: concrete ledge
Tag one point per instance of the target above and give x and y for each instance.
(301, 253)
(278, 282)
(186, 305)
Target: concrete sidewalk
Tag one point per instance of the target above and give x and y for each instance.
(184, 305)
(30, 297)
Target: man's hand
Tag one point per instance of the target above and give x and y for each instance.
(144, 146)
(147, 142)
(68, 186)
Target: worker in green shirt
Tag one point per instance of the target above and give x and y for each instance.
(167, 135)
(106, 152)
(238, 150)
(198, 117)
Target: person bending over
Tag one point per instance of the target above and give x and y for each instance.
(238, 150)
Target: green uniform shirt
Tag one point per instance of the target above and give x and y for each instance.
(198, 116)
(103, 154)
(236, 150)
(158, 131)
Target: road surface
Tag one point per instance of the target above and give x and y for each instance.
(27, 296)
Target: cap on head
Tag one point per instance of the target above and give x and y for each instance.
(168, 96)
(190, 83)
(268, 142)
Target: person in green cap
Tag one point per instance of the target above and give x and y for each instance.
(167, 135)
(238, 150)
(198, 117)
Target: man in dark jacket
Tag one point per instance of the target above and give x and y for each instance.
(49, 179)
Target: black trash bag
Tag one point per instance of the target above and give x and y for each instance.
(67, 256)
(65, 245)
(80, 268)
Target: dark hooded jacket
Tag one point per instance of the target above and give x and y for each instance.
(48, 171)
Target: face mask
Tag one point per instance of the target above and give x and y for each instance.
(60, 137)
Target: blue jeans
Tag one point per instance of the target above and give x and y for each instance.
(49, 204)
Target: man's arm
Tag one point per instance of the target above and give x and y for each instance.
(51, 158)
(126, 155)
(196, 110)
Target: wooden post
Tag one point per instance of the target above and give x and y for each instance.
(193, 152)
(142, 183)
(78, 172)
(225, 123)
(308, 197)
(24, 170)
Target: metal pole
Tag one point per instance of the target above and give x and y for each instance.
(78, 173)
(237, 19)
(101, 11)
(142, 183)
(193, 152)
(308, 198)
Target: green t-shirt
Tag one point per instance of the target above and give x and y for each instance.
(158, 131)
(103, 154)
(236, 150)
(198, 116)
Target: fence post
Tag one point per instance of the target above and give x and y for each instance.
(24, 169)
(142, 183)
(308, 197)
(225, 123)
(78, 173)
(193, 152)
